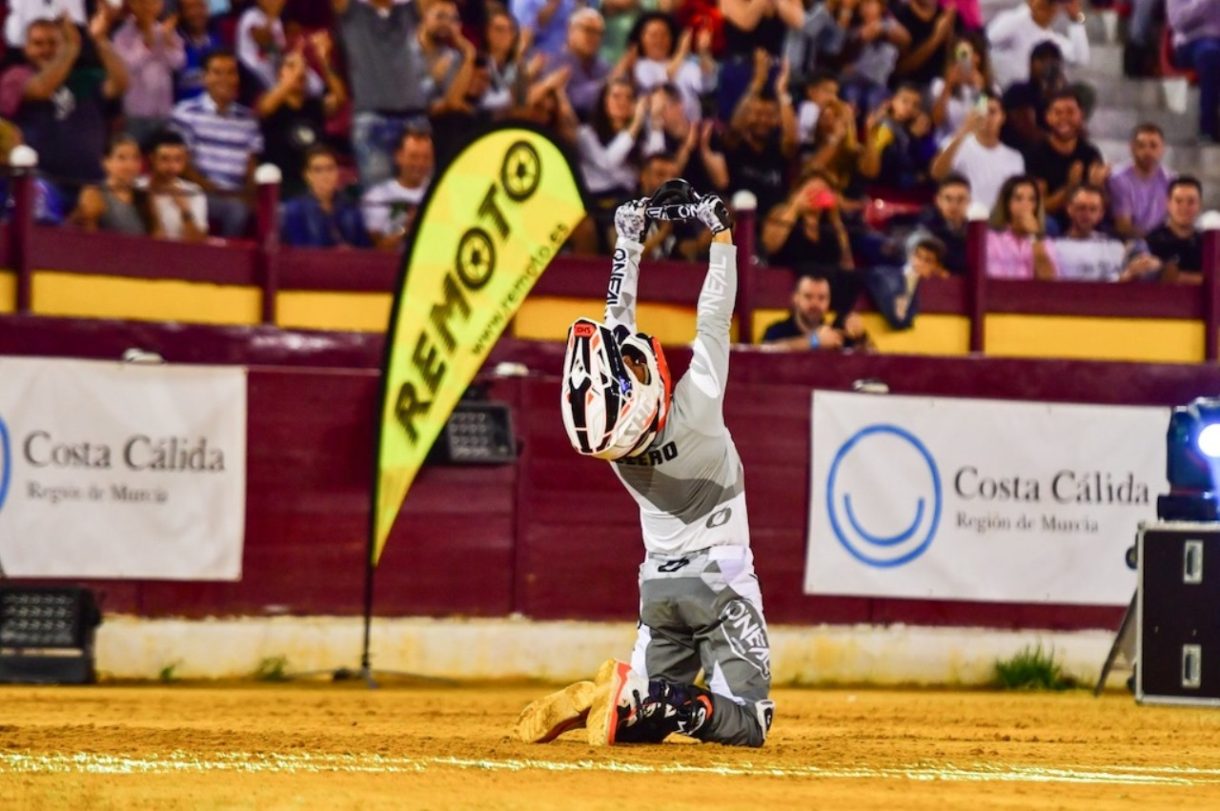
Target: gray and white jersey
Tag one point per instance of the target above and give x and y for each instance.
(689, 483)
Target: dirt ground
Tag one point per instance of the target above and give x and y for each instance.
(306, 746)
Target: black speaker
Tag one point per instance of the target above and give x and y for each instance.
(46, 634)
(1178, 610)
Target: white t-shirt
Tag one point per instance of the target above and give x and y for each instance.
(959, 106)
(986, 169)
(1097, 259)
(168, 213)
(650, 73)
(1013, 34)
(389, 206)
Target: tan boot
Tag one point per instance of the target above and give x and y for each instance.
(549, 717)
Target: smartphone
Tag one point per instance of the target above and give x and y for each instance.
(965, 55)
(980, 106)
(821, 199)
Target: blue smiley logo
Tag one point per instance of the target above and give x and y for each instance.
(891, 473)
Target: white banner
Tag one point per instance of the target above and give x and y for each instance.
(112, 470)
(983, 500)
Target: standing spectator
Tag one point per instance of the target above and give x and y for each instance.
(931, 28)
(116, 204)
(821, 90)
(751, 26)
(1025, 103)
(1196, 42)
(292, 120)
(262, 44)
(967, 79)
(1177, 242)
(1139, 191)
(391, 206)
(399, 70)
(224, 141)
(806, 327)
(836, 148)
(547, 106)
(663, 59)
(587, 71)
(976, 152)
(946, 223)
(806, 232)
(1014, 33)
(810, 47)
(898, 146)
(621, 17)
(609, 149)
(152, 51)
(199, 40)
(667, 239)
(23, 12)
(321, 217)
(507, 76)
(694, 145)
(179, 207)
(1085, 254)
(1065, 159)
(762, 137)
(871, 54)
(62, 114)
(547, 21)
(1016, 246)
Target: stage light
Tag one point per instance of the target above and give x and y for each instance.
(1192, 461)
(1209, 440)
(477, 433)
(46, 634)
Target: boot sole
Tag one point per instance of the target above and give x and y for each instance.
(547, 718)
(602, 723)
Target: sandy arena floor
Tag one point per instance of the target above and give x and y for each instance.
(342, 746)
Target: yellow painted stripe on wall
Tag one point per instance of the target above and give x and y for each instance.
(8, 291)
(83, 296)
(1150, 340)
(350, 312)
(547, 318)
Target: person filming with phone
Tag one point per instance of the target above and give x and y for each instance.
(806, 231)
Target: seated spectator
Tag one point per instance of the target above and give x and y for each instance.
(806, 327)
(1196, 42)
(48, 202)
(946, 223)
(61, 115)
(811, 48)
(1065, 159)
(898, 146)
(547, 20)
(587, 72)
(23, 12)
(199, 40)
(835, 150)
(1138, 191)
(507, 75)
(1177, 242)
(179, 207)
(291, 119)
(1017, 247)
(1025, 102)
(1084, 254)
(152, 51)
(761, 139)
(806, 232)
(391, 206)
(664, 58)
(927, 258)
(870, 55)
(116, 204)
(976, 152)
(965, 83)
(931, 28)
(224, 141)
(609, 149)
(1013, 34)
(322, 218)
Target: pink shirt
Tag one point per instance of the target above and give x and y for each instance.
(150, 89)
(1012, 257)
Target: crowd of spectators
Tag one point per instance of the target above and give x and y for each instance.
(865, 129)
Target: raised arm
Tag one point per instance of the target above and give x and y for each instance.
(625, 270)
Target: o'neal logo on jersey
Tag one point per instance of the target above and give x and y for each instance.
(654, 457)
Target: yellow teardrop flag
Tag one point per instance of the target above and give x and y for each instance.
(488, 228)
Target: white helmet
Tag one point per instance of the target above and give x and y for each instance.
(607, 412)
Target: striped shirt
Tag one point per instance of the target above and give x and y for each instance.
(221, 144)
